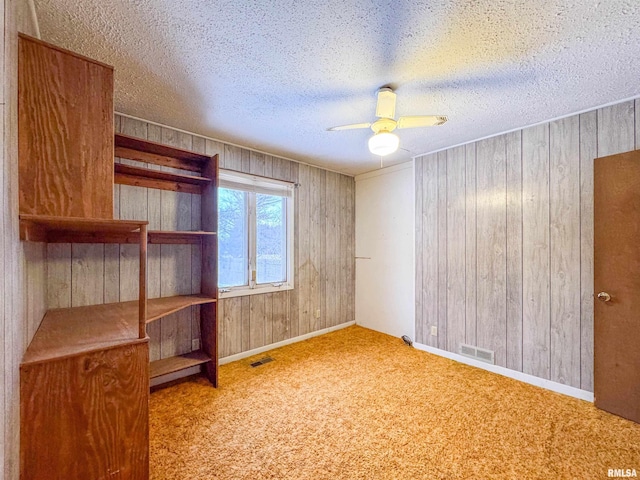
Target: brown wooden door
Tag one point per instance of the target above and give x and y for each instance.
(617, 273)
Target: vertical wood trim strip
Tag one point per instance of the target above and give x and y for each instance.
(535, 251)
(514, 250)
(430, 238)
(616, 129)
(419, 246)
(588, 151)
(470, 244)
(442, 250)
(455, 239)
(564, 181)
(491, 244)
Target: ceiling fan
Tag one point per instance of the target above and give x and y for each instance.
(383, 142)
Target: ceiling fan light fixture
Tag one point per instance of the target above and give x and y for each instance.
(384, 143)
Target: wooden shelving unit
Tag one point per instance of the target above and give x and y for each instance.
(86, 373)
(206, 185)
(84, 379)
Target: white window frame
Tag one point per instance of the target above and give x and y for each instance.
(253, 184)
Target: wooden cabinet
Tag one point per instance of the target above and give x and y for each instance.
(85, 410)
(65, 132)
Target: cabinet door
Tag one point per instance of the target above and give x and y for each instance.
(65, 131)
(87, 416)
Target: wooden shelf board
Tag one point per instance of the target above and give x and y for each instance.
(78, 224)
(71, 331)
(61, 236)
(161, 307)
(151, 152)
(144, 177)
(37, 228)
(177, 237)
(175, 364)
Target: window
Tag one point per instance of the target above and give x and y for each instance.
(255, 234)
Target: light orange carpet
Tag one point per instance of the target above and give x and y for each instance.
(356, 404)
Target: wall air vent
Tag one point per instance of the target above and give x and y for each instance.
(476, 353)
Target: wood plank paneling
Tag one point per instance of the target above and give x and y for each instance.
(536, 251)
(419, 246)
(325, 273)
(637, 122)
(294, 294)
(491, 245)
(455, 210)
(330, 261)
(87, 274)
(35, 283)
(245, 321)
(59, 275)
(514, 250)
(351, 250)
(231, 315)
(588, 152)
(564, 218)
(279, 319)
(321, 209)
(153, 212)
(257, 321)
(442, 251)
(316, 232)
(430, 239)
(268, 309)
(528, 241)
(470, 245)
(304, 262)
(616, 129)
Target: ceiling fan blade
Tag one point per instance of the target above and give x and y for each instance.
(421, 121)
(349, 127)
(386, 106)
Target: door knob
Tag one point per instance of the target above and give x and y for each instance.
(604, 297)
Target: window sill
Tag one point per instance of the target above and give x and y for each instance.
(243, 292)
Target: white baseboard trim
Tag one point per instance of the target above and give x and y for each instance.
(255, 351)
(506, 372)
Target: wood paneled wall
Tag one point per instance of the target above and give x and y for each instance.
(22, 266)
(504, 242)
(324, 255)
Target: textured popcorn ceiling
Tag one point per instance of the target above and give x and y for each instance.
(273, 75)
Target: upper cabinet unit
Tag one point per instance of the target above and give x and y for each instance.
(65, 130)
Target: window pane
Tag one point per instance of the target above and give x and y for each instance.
(271, 238)
(232, 238)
